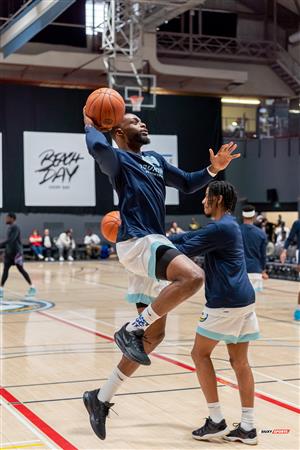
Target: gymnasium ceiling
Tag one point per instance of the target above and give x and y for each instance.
(77, 67)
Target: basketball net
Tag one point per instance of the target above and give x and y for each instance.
(136, 102)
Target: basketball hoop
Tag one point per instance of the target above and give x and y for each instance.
(136, 102)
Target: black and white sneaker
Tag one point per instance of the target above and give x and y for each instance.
(239, 434)
(98, 411)
(211, 430)
(131, 345)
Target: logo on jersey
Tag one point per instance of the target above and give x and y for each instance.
(153, 166)
(24, 306)
(203, 317)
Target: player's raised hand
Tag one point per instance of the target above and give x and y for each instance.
(223, 158)
(88, 121)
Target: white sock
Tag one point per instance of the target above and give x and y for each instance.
(145, 319)
(111, 386)
(247, 420)
(215, 412)
(150, 315)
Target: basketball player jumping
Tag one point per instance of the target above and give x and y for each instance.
(13, 255)
(229, 313)
(140, 179)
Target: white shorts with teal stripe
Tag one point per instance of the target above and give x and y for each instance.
(232, 325)
(256, 280)
(138, 256)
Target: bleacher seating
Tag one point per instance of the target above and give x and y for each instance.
(275, 269)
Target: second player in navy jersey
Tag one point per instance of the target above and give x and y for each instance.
(228, 314)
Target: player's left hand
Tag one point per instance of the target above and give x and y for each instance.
(223, 158)
(264, 275)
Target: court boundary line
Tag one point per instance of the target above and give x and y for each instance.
(224, 380)
(9, 407)
(29, 446)
(50, 400)
(19, 442)
(14, 404)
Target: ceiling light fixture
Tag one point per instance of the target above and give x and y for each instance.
(241, 101)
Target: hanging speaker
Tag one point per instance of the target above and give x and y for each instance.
(272, 195)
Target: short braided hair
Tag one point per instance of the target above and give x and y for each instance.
(228, 192)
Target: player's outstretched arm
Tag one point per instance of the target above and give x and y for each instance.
(190, 182)
(198, 242)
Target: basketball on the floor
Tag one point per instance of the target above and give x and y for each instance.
(105, 107)
(110, 226)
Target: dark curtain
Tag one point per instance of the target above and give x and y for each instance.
(195, 120)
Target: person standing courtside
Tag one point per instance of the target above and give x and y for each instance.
(255, 245)
(13, 255)
(294, 233)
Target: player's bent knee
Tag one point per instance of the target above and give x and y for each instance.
(194, 355)
(199, 355)
(238, 365)
(194, 280)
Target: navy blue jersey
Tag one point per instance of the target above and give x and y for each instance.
(294, 233)
(13, 244)
(226, 281)
(140, 180)
(255, 244)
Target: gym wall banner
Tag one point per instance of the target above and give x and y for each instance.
(1, 177)
(165, 145)
(58, 170)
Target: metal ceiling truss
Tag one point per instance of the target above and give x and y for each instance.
(125, 22)
(123, 28)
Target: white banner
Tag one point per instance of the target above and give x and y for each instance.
(58, 170)
(1, 175)
(165, 145)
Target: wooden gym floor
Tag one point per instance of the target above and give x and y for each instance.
(50, 357)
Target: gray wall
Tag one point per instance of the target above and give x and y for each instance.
(267, 164)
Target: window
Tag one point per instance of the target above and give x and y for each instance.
(94, 9)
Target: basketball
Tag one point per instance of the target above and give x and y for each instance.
(110, 226)
(105, 107)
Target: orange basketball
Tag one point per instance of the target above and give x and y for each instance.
(110, 226)
(105, 107)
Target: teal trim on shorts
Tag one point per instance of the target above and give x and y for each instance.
(228, 338)
(139, 298)
(152, 260)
